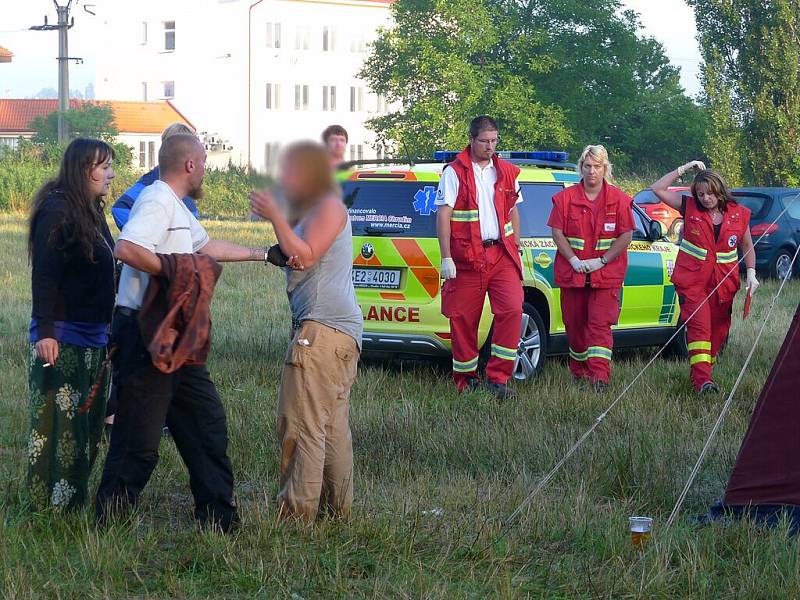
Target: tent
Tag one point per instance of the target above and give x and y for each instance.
(765, 482)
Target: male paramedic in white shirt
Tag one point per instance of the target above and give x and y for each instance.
(478, 228)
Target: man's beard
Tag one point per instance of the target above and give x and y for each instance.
(197, 193)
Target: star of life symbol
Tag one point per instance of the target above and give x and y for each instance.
(425, 201)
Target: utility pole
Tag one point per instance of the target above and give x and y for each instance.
(64, 25)
(63, 68)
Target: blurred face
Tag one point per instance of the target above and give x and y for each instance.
(296, 187)
(196, 168)
(593, 172)
(483, 146)
(100, 177)
(337, 145)
(706, 197)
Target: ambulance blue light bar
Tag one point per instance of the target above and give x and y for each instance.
(548, 155)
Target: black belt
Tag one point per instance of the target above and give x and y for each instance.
(488, 243)
(127, 312)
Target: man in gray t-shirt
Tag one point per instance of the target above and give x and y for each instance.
(186, 400)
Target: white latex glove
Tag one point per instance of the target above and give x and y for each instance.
(593, 264)
(448, 269)
(752, 282)
(695, 164)
(578, 264)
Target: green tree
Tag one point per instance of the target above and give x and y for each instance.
(87, 120)
(615, 86)
(560, 73)
(445, 61)
(725, 142)
(751, 50)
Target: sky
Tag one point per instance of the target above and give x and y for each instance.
(34, 66)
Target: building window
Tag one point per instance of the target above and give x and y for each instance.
(302, 37)
(301, 97)
(358, 43)
(144, 32)
(379, 152)
(169, 89)
(142, 155)
(273, 35)
(328, 39)
(271, 152)
(144, 91)
(151, 155)
(169, 35)
(383, 105)
(360, 152)
(273, 101)
(356, 99)
(329, 97)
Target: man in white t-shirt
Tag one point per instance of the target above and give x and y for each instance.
(186, 400)
(477, 225)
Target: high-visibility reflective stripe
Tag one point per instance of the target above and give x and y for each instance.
(465, 216)
(699, 346)
(579, 356)
(604, 243)
(692, 250)
(599, 352)
(576, 243)
(465, 366)
(508, 229)
(504, 353)
(727, 257)
(698, 358)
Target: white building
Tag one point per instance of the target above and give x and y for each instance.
(252, 74)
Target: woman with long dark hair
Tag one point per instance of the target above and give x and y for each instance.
(71, 253)
(706, 274)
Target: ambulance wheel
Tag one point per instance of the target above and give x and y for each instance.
(678, 348)
(532, 349)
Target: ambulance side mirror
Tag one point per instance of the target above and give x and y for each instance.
(657, 231)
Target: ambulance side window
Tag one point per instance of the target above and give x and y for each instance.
(534, 211)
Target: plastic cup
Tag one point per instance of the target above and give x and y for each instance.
(641, 530)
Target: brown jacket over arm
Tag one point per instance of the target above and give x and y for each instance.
(175, 317)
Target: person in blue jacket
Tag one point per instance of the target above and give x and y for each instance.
(122, 207)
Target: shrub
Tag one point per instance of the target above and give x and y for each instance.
(25, 168)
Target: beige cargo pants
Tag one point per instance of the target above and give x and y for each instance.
(313, 423)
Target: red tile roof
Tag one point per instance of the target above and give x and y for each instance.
(130, 117)
(5, 55)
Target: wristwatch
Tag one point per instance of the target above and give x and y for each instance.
(603, 260)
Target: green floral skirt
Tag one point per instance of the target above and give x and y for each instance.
(65, 435)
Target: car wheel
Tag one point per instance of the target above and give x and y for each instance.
(532, 349)
(781, 266)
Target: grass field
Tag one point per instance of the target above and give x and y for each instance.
(418, 447)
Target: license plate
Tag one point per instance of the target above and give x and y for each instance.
(387, 279)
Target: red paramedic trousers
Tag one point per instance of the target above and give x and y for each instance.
(706, 332)
(462, 302)
(588, 315)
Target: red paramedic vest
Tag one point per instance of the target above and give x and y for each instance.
(590, 234)
(703, 261)
(466, 243)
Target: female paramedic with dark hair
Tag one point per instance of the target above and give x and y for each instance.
(714, 228)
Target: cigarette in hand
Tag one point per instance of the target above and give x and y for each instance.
(47, 365)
